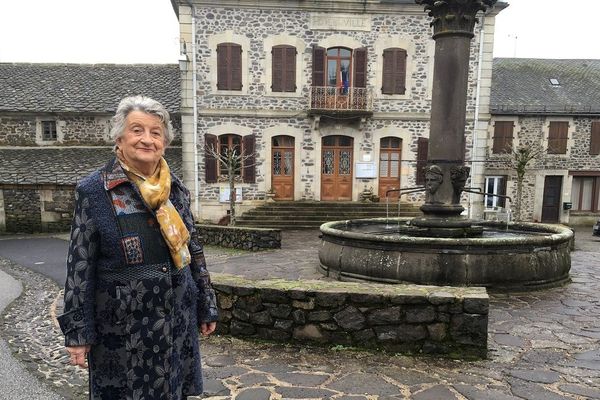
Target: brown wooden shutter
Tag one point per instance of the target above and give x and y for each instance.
(503, 137)
(595, 138)
(229, 66)
(278, 72)
(318, 75)
(360, 68)
(210, 162)
(394, 71)
(249, 167)
(236, 66)
(422, 151)
(400, 75)
(387, 86)
(222, 67)
(557, 137)
(289, 84)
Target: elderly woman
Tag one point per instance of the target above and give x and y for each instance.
(137, 289)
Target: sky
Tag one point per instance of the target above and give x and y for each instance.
(146, 31)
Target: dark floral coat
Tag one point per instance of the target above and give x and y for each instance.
(125, 298)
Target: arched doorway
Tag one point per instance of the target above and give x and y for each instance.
(282, 167)
(390, 151)
(336, 168)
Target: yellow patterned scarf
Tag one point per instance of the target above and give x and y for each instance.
(155, 190)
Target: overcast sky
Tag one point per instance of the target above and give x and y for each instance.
(146, 31)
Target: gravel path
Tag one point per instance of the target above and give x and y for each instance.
(17, 382)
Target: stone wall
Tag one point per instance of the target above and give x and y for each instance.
(22, 209)
(253, 239)
(37, 208)
(21, 129)
(406, 318)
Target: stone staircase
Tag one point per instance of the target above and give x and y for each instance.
(311, 214)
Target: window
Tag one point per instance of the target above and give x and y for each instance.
(495, 185)
(244, 146)
(394, 71)
(284, 68)
(503, 137)
(339, 67)
(422, 150)
(389, 157)
(557, 137)
(49, 131)
(585, 193)
(229, 66)
(595, 138)
(230, 145)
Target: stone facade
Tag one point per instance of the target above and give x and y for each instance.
(532, 130)
(406, 318)
(256, 110)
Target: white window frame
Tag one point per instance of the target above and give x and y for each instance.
(495, 200)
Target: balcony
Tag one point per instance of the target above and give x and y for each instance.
(342, 101)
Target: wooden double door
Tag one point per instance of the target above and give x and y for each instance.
(336, 168)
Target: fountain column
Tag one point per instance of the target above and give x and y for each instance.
(445, 174)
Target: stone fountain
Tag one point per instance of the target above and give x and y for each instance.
(442, 247)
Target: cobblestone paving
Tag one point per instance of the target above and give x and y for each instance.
(542, 345)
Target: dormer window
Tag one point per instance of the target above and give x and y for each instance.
(554, 82)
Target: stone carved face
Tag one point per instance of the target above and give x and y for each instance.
(459, 176)
(433, 178)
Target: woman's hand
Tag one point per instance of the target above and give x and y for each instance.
(206, 328)
(78, 355)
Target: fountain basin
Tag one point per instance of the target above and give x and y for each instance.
(507, 257)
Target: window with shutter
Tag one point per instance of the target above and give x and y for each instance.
(595, 138)
(360, 68)
(557, 137)
(503, 137)
(210, 161)
(229, 66)
(394, 71)
(284, 69)
(318, 73)
(422, 151)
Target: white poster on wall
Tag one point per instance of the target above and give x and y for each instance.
(224, 194)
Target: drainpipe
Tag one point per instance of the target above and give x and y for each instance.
(476, 118)
(195, 111)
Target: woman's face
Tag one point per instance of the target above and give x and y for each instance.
(143, 141)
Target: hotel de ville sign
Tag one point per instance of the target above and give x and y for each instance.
(340, 22)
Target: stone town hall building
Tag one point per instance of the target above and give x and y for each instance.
(327, 97)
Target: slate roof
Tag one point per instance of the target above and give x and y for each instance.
(96, 88)
(522, 86)
(65, 165)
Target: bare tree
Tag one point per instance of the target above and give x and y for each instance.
(231, 162)
(521, 156)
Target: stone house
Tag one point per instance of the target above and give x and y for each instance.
(327, 98)
(54, 130)
(553, 106)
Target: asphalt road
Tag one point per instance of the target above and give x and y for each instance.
(44, 255)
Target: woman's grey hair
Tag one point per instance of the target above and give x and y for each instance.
(143, 104)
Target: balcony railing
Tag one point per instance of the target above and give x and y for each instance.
(347, 100)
